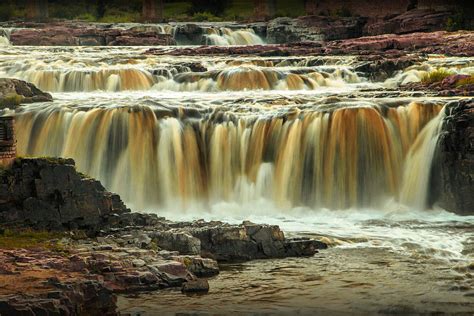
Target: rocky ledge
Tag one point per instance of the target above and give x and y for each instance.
(86, 34)
(95, 247)
(453, 168)
(453, 85)
(14, 92)
(390, 45)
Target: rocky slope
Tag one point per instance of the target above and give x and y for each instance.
(14, 92)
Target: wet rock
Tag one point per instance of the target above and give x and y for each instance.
(178, 241)
(453, 167)
(196, 286)
(14, 92)
(250, 241)
(200, 267)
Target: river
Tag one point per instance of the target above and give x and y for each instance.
(305, 142)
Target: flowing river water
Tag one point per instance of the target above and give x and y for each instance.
(303, 142)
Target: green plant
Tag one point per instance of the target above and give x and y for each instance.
(30, 239)
(86, 17)
(436, 76)
(12, 99)
(205, 17)
(456, 22)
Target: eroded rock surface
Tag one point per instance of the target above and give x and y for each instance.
(50, 193)
(14, 92)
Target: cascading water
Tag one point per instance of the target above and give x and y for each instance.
(225, 36)
(345, 157)
(304, 142)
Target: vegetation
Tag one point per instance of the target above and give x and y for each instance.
(30, 239)
(436, 76)
(131, 10)
(11, 100)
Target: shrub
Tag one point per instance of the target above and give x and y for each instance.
(436, 75)
(205, 17)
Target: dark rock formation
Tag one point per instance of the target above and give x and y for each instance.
(419, 20)
(14, 92)
(453, 168)
(313, 28)
(51, 193)
(88, 35)
(249, 241)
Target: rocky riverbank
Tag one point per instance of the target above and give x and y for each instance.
(390, 45)
(96, 247)
(14, 92)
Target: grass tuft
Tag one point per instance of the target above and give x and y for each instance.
(436, 76)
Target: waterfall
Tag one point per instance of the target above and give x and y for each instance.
(5, 37)
(343, 157)
(417, 171)
(225, 36)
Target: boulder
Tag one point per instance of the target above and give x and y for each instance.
(453, 167)
(51, 193)
(14, 92)
(250, 241)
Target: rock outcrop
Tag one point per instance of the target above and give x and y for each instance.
(388, 46)
(453, 168)
(313, 28)
(14, 92)
(50, 193)
(88, 35)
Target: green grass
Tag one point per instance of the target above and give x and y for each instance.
(436, 76)
(30, 239)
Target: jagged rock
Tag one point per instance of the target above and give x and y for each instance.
(250, 241)
(178, 241)
(313, 28)
(200, 267)
(14, 92)
(453, 167)
(51, 193)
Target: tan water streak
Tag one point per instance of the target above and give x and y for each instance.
(343, 158)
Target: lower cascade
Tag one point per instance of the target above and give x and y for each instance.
(341, 157)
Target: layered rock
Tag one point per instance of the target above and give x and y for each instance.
(388, 46)
(51, 193)
(88, 35)
(453, 168)
(313, 28)
(14, 92)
